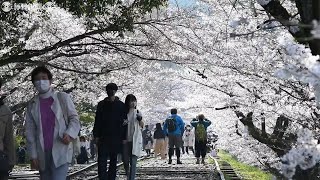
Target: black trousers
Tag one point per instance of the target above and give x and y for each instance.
(171, 152)
(201, 149)
(187, 148)
(103, 156)
(4, 176)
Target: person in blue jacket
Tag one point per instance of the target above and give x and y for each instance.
(201, 124)
(173, 128)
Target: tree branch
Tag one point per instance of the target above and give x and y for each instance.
(276, 142)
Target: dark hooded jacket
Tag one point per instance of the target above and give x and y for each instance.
(6, 133)
(110, 124)
(158, 134)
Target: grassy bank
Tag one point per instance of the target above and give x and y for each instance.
(245, 171)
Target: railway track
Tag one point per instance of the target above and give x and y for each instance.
(225, 170)
(73, 172)
(25, 176)
(149, 169)
(121, 174)
(82, 172)
(160, 169)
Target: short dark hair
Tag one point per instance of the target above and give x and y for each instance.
(82, 138)
(174, 111)
(111, 86)
(40, 69)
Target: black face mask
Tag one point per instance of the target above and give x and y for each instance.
(110, 93)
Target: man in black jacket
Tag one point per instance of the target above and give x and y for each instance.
(7, 153)
(110, 132)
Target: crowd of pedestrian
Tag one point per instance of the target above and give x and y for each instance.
(54, 141)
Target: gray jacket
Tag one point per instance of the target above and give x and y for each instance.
(60, 152)
(6, 133)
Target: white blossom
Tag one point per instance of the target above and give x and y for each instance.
(263, 2)
(305, 154)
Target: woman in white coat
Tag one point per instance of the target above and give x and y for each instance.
(133, 144)
(52, 122)
(188, 139)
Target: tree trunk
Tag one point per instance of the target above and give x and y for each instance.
(308, 10)
(279, 143)
(308, 174)
(315, 43)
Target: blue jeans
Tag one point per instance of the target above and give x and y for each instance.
(129, 161)
(51, 172)
(103, 156)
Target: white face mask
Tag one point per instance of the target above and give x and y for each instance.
(42, 86)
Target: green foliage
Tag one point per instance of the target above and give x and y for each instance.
(246, 171)
(102, 16)
(122, 20)
(17, 141)
(86, 107)
(86, 119)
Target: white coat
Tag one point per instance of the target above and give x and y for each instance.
(137, 137)
(61, 153)
(188, 138)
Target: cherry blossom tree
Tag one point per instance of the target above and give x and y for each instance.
(242, 65)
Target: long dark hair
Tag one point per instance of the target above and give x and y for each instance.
(129, 98)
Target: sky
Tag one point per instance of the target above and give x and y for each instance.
(183, 3)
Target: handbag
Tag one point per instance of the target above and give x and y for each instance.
(4, 161)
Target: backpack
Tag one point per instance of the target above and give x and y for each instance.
(200, 133)
(171, 122)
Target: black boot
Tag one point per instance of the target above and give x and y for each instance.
(202, 161)
(192, 150)
(178, 156)
(170, 155)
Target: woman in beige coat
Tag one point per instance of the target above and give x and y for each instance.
(6, 136)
